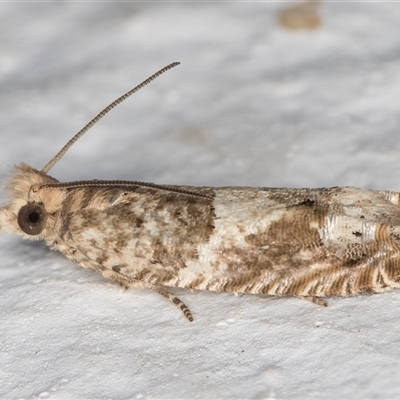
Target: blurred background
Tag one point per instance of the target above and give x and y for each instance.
(298, 94)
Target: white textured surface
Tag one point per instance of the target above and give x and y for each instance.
(251, 104)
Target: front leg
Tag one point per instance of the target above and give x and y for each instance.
(128, 282)
(170, 296)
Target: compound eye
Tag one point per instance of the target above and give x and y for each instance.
(32, 219)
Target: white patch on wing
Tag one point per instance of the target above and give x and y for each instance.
(368, 231)
(234, 221)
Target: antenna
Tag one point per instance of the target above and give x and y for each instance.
(101, 114)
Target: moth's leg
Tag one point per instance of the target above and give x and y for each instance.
(170, 296)
(128, 282)
(316, 300)
(123, 281)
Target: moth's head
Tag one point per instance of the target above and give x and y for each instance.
(29, 211)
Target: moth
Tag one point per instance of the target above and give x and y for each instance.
(307, 243)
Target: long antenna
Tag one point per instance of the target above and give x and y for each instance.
(101, 114)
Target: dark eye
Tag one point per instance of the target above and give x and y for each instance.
(32, 219)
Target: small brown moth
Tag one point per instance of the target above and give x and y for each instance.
(308, 243)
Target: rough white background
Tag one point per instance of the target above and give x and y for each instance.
(251, 104)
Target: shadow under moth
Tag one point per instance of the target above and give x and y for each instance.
(308, 243)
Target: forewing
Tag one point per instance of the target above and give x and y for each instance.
(303, 242)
